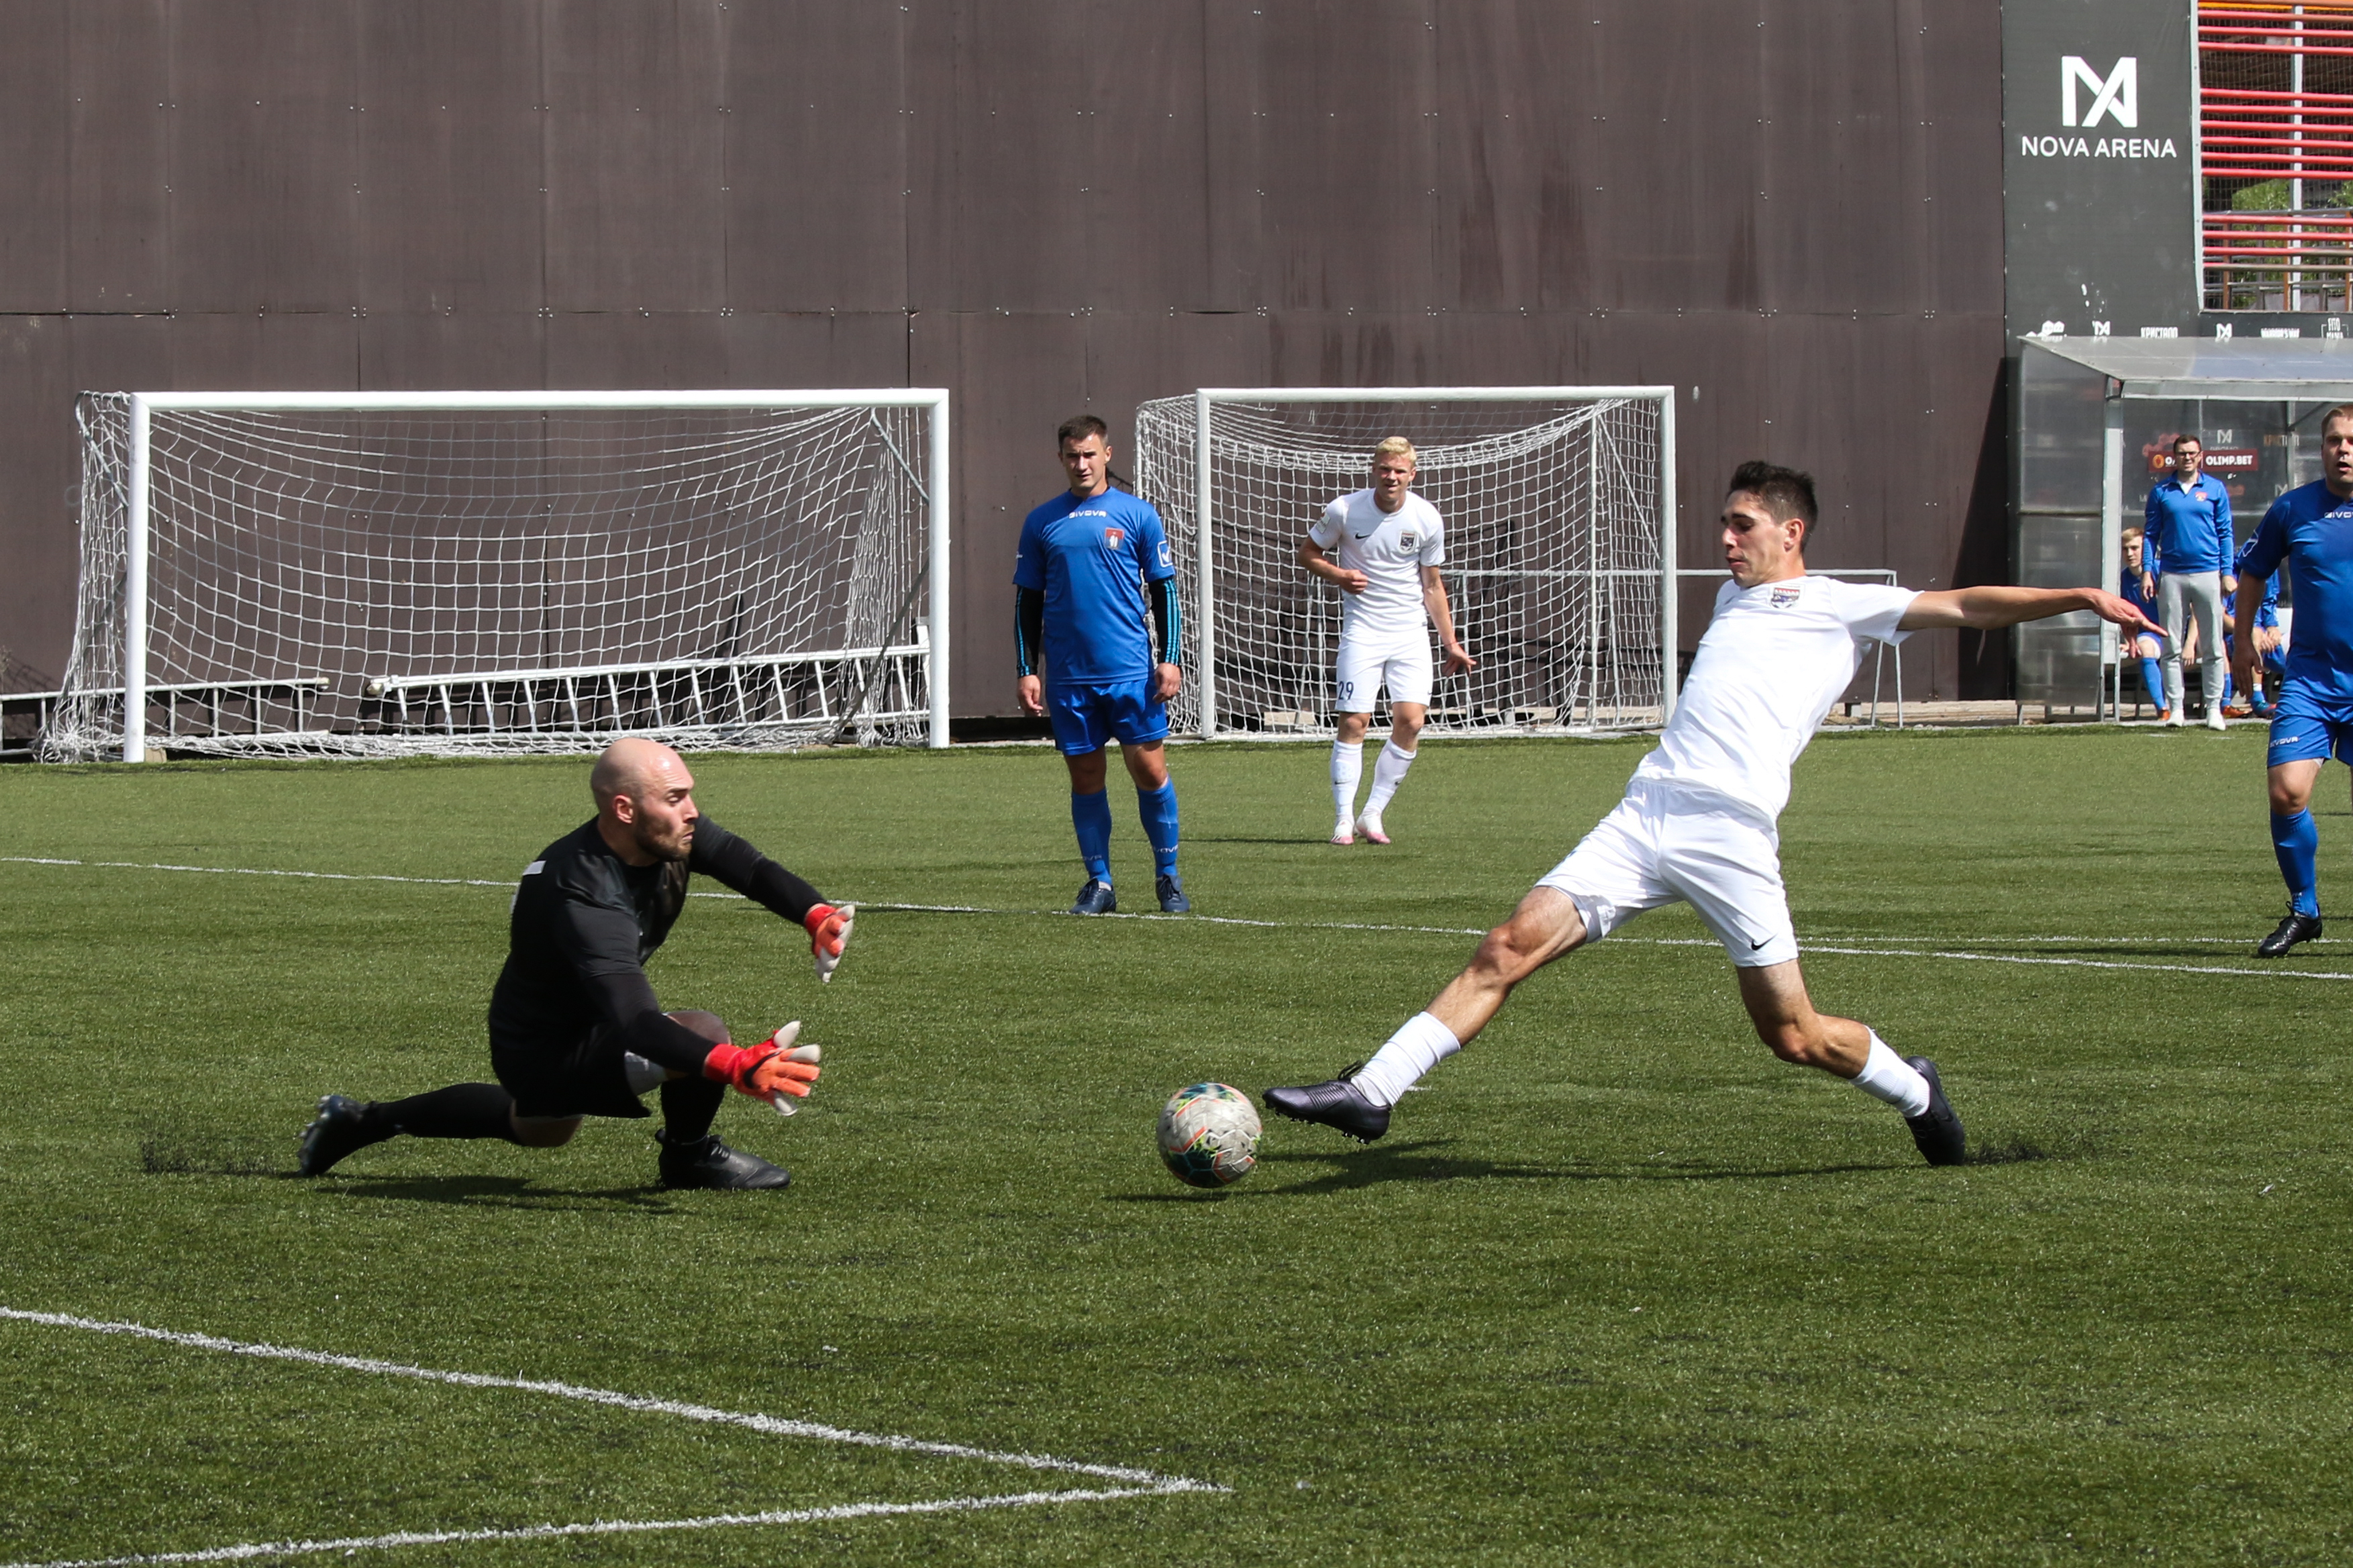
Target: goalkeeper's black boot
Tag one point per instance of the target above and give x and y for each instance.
(2299, 926)
(1938, 1131)
(341, 1126)
(1095, 899)
(707, 1163)
(1338, 1104)
(1171, 891)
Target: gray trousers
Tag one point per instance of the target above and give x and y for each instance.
(2180, 597)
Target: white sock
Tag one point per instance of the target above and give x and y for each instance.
(1388, 772)
(1347, 768)
(1889, 1077)
(1413, 1050)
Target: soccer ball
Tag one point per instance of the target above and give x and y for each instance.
(1209, 1135)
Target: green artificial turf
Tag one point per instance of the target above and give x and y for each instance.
(1618, 1288)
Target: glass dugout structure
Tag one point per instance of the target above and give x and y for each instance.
(2096, 421)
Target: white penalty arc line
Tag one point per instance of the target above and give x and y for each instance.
(770, 1424)
(248, 1550)
(1953, 955)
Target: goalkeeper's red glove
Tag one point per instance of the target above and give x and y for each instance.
(769, 1070)
(828, 929)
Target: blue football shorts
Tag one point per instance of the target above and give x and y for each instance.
(1087, 717)
(2306, 728)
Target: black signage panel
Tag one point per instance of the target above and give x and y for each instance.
(2099, 162)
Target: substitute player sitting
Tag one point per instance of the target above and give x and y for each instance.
(1699, 820)
(1382, 548)
(575, 1029)
(2311, 529)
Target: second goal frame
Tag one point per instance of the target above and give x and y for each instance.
(1558, 504)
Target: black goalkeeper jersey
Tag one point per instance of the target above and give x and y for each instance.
(584, 921)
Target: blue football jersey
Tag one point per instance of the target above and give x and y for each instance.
(1090, 558)
(2311, 529)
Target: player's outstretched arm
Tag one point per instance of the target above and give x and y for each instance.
(1991, 608)
(736, 863)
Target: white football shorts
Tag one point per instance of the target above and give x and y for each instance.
(1662, 844)
(1364, 667)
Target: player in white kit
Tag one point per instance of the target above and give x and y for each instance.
(1381, 547)
(1698, 821)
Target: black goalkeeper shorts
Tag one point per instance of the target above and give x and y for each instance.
(582, 1078)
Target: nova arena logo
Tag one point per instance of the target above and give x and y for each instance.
(2087, 100)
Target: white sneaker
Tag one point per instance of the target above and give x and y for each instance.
(2174, 721)
(1369, 825)
(1344, 834)
(2214, 720)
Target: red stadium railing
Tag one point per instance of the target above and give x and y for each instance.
(2275, 153)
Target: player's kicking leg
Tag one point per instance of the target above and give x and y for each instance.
(1545, 926)
(1642, 855)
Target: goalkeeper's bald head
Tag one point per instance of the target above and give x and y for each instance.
(629, 766)
(645, 801)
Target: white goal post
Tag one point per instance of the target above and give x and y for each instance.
(452, 572)
(1558, 504)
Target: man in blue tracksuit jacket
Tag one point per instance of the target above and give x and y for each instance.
(2188, 547)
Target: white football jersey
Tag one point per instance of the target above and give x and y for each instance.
(1390, 548)
(1773, 661)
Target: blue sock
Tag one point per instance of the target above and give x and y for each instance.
(2226, 689)
(2152, 681)
(1091, 815)
(2296, 841)
(1158, 809)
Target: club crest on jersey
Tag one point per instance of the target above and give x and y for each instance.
(1784, 597)
(1114, 537)
(1409, 539)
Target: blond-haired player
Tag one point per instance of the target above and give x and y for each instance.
(1381, 547)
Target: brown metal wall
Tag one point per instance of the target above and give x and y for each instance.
(1790, 211)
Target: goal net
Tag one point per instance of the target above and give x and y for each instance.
(1560, 565)
(457, 573)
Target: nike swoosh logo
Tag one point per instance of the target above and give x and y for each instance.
(1755, 945)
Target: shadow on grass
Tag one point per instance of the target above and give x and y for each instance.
(2016, 1149)
(497, 1192)
(1307, 841)
(1425, 1162)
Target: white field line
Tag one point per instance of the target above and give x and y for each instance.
(1893, 946)
(248, 1550)
(1143, 1483)
(770, 1424)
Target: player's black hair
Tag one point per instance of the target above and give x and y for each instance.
(1785, 492)
(1077, 428)
(2189, 435)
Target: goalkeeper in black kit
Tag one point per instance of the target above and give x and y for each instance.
(575, 1029)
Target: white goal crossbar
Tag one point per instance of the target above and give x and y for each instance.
(371, 573)
(1558, 504)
